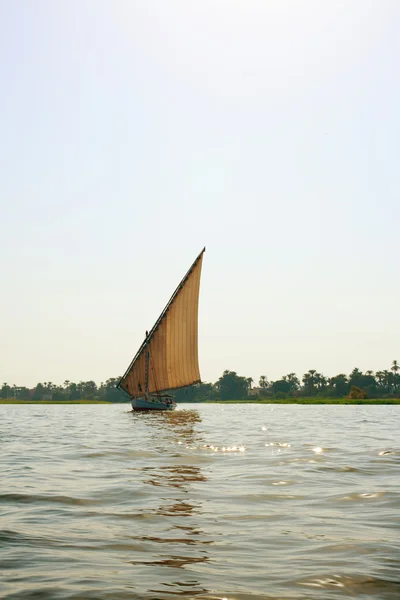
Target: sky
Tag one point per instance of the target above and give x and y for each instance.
(133, 133)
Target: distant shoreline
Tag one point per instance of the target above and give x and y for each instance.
(39, 402)
(376, 401)
(309, 401)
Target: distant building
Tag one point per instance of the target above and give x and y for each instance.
(47, 397)
(255, 391)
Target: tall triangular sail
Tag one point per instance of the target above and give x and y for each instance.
(168, 358)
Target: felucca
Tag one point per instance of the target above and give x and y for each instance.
(168, 358)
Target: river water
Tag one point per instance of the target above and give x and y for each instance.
(236, 501)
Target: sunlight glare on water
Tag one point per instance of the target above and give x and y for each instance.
(240, 502)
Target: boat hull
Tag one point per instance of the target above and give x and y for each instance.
(153, 404)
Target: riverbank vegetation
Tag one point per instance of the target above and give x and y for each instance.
(314, 400)
(311, 388)
(19, 401)
(357, 386)
(67, 392)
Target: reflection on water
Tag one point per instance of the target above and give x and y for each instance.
(179, 423)
(171, 546)
(178, 476)
(241, 502)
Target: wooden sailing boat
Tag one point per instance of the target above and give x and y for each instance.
(168, 358)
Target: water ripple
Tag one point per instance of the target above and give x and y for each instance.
(250, 502)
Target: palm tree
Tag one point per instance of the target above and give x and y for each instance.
(309, 381)
(263, 383)
(249, 381)
(380, 377)
(320, 381)
(388, 380)
(395, 368)
(356, 377)
(313, 377)
(339, 384)
(292, 380)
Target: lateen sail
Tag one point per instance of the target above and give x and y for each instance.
(172, 344)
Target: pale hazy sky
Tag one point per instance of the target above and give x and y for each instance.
(133, 133)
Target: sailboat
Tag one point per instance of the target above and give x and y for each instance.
(168, 357)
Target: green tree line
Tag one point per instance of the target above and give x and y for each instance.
(84, 390)
(230, 386)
